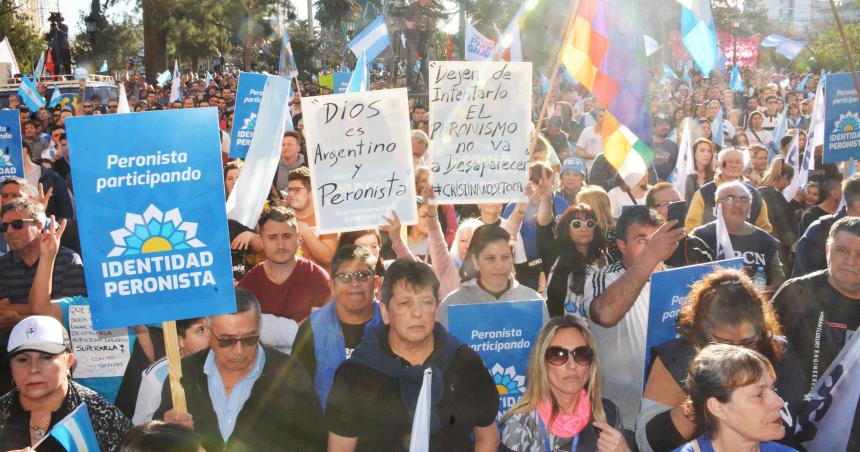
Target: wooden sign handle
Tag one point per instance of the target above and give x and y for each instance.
(174, 366)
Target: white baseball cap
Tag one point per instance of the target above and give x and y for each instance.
(38, 333)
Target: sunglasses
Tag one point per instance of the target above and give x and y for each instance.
(229, 342)
(578, 224)
(347, 277)
(558, 356)
(16, 224)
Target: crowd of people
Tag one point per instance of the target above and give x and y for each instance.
(333, 332)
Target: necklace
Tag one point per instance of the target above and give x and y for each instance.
(39, 431)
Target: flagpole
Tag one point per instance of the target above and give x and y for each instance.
(846, 48)
(554, 77)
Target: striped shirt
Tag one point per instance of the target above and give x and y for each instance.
(16, 276)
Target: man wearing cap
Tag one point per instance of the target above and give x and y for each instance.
(39, 356)
(572, 179)
(665, 150)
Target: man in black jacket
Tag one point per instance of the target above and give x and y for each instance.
(243, 396)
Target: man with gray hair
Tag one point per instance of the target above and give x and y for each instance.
(758, 248)
(821, 310)
(420, 142)
(244, 396)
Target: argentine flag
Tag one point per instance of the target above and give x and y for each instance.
(30, 94)
(75, 431)
(699, 34)
(358, 80)
(717, 129)
(286, 61)
(373, 39)
(736, 82)
(56, 97)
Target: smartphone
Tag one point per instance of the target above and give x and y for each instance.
(677, 211)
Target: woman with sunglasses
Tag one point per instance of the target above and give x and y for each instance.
(562, 408)
(576, 246)
(487, 273)
(724, 307)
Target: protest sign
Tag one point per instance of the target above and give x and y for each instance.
(341, 81)
(503, 334)
(478, 46)
(154, 236)
(669, 289)
(841, 119)
(98, 353)
(479, 131)
(11, 158)
(249, 93)
(360, 155)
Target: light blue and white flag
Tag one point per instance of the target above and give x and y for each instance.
(651, 45)
(248, 196)
(802, 85)
(40, 66)
(75, 431)
(780, 131)
(163, 78)
(359, 79)
(104, 67)
(176, 84)
(56, 97)
(725, 250)
(786, 47)
(373, 39)
(544, 84)
(208, 78)
(717, 129)
(668, 73)
(286, 61)
(828, 417)
(792, 157)
(736, 82)
(685, 164)
(699, 34)
(420, 439)
(29, 94)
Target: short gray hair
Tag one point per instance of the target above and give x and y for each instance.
(245, 301)
(420, 136)
(851, 225)
(730, 185)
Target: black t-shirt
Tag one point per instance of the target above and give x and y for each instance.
(759, 249)
(817, 320)
(813, 213)
(665, 158)
(305, 352)
(365, 403)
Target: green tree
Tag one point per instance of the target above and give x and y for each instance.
(333, 13)
(25, 42)
(115, 42)
(748, 21)
(828, 52)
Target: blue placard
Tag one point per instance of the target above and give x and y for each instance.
(669, 289)
(841, 119)
(11, 159)
(249, 93)
(341, 81)
(503, 334)
(151, 216)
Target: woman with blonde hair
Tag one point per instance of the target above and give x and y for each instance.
(562, 408)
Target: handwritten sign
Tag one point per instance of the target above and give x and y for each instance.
(479, 137)
(11, 159)
(360, 158)
(98, 353)
(841, 119)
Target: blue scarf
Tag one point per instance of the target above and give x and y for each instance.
(374, 352)
(330, 346)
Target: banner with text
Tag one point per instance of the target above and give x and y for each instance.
(841, 119)
(360, 156)
(503, 334)
(153, 228)
(669, 289)
(11, 158)
(479, 132)
(340, 81)
(249, 93)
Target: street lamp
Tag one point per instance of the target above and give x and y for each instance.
(92, 23)
(349, 26)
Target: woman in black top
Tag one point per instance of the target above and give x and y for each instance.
(781, 213)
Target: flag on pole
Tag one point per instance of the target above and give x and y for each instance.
(736, 82)
(786, 47)
(831, 408)
(685, 164)
(717, 129)
(668, 73)
(8, 56)
(802, 85)
(358, 80)
(780, 131)
(176, 84)
(815, 137)
(49, 63)
(104, 67)
(163, 78)
(651, 45)
(30, 95)
(544, 84)
(40, 66)
(373, 39)
(699, 34)
(286, 61)
(792, 157)
(208, 78)
(420, 438)
(56, 97)
(122, 100)
(75, 431)
(604, 51)
(725, 250)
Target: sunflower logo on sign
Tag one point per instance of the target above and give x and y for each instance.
(154, 232)
(848, 122)
(507, 381)
(5, 160)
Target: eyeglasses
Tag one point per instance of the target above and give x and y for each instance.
(558, 356)
(731, 199)
(229, 342)
(578, 224)
(347, 277)
(16, 224)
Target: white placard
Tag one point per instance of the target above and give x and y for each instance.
(360, 158)
(102, 353)
(479, 131)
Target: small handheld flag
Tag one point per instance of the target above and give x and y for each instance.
(30, 94)
(725, 250)
(176, 85)
(75, 431)
(717, 129)
(104, 67)
(56, 97)
(736, 83)
(40, 66)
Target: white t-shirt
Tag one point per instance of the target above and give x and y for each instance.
(764, 137)
(621, 348)
(618, 198)
(149, 393)
(591, 142)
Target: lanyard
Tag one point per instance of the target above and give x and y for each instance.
(546, 438)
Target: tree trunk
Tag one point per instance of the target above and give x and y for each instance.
(248, 45)
(154, 41)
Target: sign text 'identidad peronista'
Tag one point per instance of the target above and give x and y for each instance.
(479, 136)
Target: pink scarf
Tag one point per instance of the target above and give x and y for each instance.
(567, 425)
